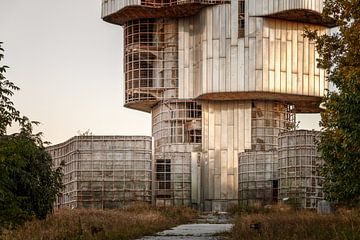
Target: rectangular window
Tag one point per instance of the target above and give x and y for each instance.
(195, 136)
(163, 174)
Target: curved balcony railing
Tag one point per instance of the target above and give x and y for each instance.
(121, 11)
(151, 62)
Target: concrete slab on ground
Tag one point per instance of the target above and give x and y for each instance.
(202, 231)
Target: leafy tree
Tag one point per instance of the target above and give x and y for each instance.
(8, 113)
(339, 144)
(28, 182)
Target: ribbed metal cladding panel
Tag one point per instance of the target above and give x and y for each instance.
(226, 132)
(298, 168)
(272, 58)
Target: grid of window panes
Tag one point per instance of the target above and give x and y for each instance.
(268, 119)
(104, 171)
(176, 122)
(299, 165)
(258, 177)
(151, 59)
(172, 180)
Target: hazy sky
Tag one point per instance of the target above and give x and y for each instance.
(68, 64)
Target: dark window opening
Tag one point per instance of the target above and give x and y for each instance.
(241, 19)
(275, 190)
(163, 174)
(195, 136)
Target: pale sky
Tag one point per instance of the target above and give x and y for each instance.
(69, 66)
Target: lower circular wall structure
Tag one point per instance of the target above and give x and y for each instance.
(151, 62)
(172, 181)
(176, 122)
(258, 177)
(268, 119)
(104, 171)
(299, 163)
(258, 181)
(177, 137)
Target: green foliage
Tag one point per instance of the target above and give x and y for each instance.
(8, 113)
(340, 140)
(28, 184)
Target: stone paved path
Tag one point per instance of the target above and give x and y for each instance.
(205, 228)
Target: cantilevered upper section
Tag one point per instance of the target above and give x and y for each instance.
(121, 11)
(225, 54)
(306, 11)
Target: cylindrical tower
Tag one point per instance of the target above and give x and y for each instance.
(299, 163)
(177, 134)
(258, 177)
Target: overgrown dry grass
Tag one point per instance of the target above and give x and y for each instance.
(283, 223)
(79, 224)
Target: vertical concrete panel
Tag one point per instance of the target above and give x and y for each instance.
(241, 125)
(241, 79)
(222, 28)
(272, 53)
(228, 65)
(252, 69)
(247, 115)
(216, 67)
(216, 22)
(234, 21)
(312, 63)
(289, 58)
(266, 56)
(229, 127)
(234, 68)
(181, 62)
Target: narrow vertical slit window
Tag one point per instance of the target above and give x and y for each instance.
(241, 19)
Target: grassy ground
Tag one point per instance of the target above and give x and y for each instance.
(81, 224)
(287, 224)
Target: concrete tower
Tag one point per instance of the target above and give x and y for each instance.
(221, 78)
